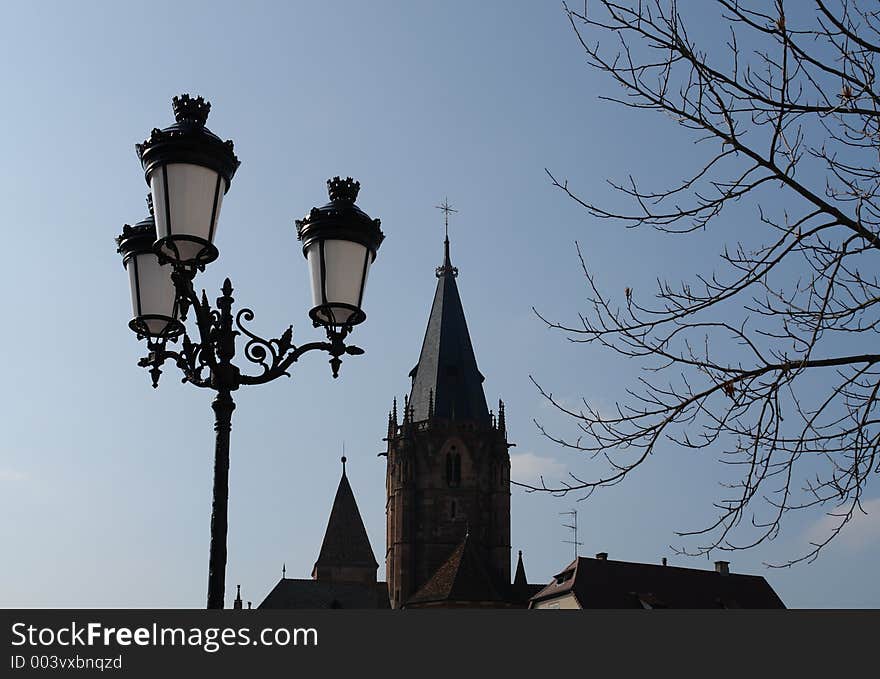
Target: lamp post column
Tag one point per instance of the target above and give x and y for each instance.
(224, 378)
(223, 406)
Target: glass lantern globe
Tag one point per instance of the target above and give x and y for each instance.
(153, 298)
(188, 169)
(339, 242)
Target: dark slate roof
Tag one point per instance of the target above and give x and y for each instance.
(532, 590)
(463, 577)
(345, 540)
(313, 594)
(447, 368)
(599, 583)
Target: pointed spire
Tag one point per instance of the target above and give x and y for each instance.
(237, 603)
(394, 412)
(345, 551)
(283, 571)
(447, 372)
(519, 579)
(344, 460)
(520, 582)
(406, 409)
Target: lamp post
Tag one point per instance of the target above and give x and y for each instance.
(189, 169)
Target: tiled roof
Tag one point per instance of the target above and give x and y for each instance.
(463, 577)
(345, 540)
(600, 583)
(314, 594)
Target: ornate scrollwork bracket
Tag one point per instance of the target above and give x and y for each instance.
(208, 362)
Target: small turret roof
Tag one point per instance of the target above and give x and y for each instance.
(345, 540)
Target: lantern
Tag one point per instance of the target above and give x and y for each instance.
(153, 298)
(339, 242)
(189, 169)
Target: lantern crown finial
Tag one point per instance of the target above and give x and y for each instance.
(139, 237)
(343, 190)
(191, 110)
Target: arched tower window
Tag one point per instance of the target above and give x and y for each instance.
(453, 467)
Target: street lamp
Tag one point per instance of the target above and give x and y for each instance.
(189, 169)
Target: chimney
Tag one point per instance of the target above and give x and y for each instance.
(602, 556)
(664, 561)
(722, 567)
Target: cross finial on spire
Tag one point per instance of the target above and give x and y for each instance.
(344, 459)
(447, 208)
(283, 571)
(447, 267)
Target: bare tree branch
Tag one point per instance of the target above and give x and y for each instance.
(787, 393)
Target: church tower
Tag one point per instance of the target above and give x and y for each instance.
(448, 467)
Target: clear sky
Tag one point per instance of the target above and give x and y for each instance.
(105, 484)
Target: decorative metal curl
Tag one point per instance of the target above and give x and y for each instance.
(189, 361)
(257, 349)
(208, 362)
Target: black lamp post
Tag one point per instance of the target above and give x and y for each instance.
(189, 169)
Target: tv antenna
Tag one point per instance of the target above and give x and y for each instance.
(573, 526)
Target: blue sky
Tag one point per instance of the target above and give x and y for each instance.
(105, 484)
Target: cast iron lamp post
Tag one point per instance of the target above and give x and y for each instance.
(189, 169)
